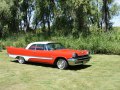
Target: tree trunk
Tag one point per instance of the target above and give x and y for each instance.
(0, 33)
(49, 29)
(105, 14)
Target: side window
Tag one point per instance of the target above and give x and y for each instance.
(32, 47)
(40, 47)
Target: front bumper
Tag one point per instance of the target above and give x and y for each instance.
(78, 61)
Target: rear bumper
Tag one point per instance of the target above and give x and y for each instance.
(78, 61)
(12, 56)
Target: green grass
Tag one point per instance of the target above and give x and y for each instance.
(101, 73)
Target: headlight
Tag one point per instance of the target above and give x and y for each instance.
(74, 55)
(88, 53)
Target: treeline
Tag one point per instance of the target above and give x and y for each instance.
(62, 17)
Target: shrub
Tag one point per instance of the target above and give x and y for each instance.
(96, 42)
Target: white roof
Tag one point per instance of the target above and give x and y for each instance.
(42, 42)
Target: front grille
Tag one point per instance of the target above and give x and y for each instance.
(84, 57)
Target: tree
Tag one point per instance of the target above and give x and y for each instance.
(4, 15)
(62, 16)
(26, 9)
(109, 10)
(44, 12)
(80, 14)
(13, 24)
(62, 23)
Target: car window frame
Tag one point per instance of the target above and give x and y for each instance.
(44, 48)
(32, 45)
(53, 43)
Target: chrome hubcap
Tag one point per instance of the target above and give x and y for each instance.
(21, 60)
(61, 64)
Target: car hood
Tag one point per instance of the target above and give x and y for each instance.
(71, 51)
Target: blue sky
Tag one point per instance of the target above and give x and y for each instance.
(116, 19)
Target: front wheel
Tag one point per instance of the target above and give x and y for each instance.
(62, 64)
(21, 60)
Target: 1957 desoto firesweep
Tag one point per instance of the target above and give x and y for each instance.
(49, 53)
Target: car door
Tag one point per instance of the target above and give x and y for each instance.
(42, 55)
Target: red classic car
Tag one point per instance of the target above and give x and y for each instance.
(49, 53)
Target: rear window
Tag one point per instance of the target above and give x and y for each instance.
(32, 47)
(37, 47)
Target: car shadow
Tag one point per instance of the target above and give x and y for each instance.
(74, 68)
(79, 67)
(36, 64)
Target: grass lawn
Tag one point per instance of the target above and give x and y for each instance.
(101, 73)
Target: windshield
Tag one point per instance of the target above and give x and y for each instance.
(55, 46)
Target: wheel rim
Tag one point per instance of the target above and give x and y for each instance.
(61, 64)
(21, 60)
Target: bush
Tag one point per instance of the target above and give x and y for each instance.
(96, 42)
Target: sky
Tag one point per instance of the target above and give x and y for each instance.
(116, 19)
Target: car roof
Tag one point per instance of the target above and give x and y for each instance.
(42, 42)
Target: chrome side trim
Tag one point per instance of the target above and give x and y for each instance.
(28, 57)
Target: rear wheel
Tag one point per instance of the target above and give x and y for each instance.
(21, 60)
(62, 64)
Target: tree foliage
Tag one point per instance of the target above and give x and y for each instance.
(56, 16)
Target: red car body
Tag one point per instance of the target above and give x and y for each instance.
(72, 57)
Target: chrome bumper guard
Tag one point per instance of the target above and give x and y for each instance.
(78, 61)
